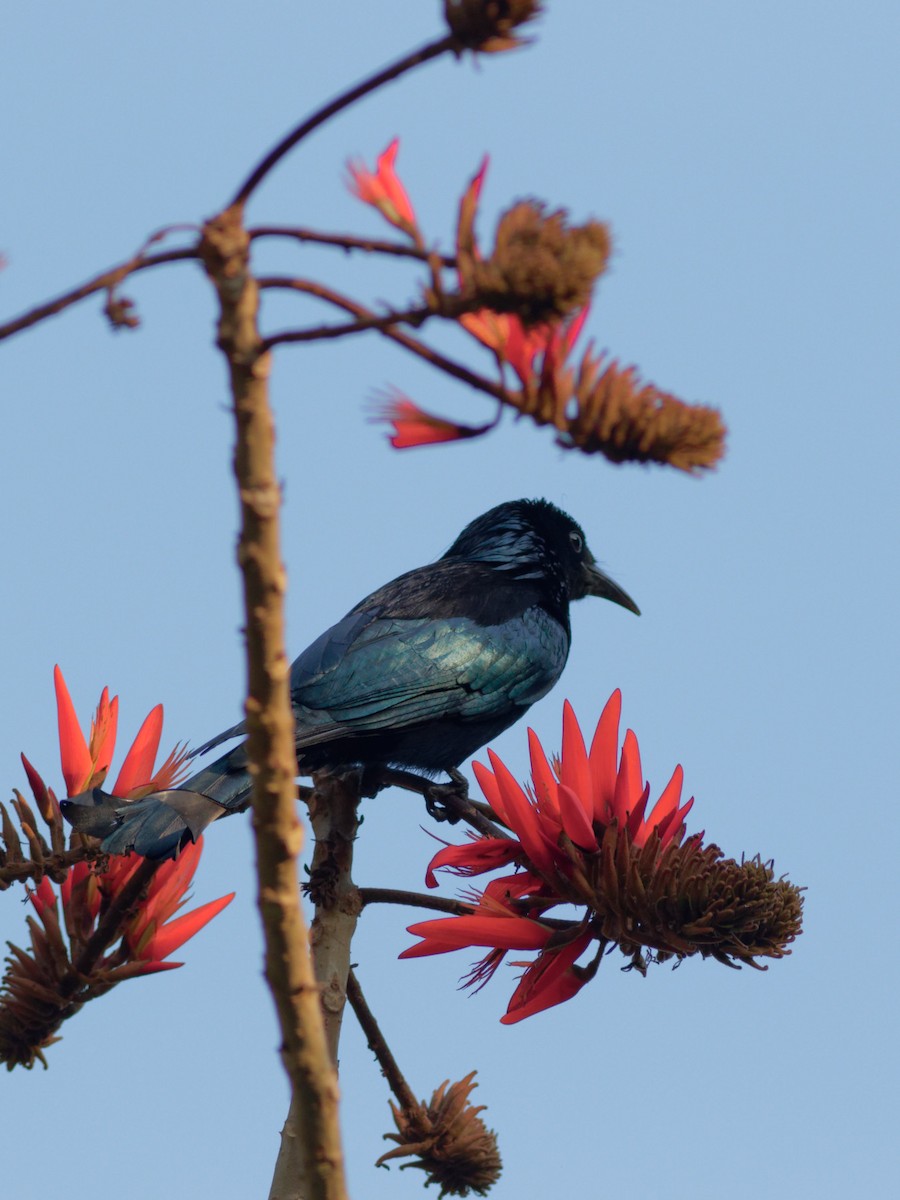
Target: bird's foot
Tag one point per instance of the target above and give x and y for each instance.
(371, 781)
(446, 801)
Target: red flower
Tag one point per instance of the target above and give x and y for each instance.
(150, 934)
(413, 426)
(85, 762)
(558, 819)
(384, 191)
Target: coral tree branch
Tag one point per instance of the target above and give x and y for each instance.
(386, 75)
(105, 280)
(333, 807)
(224, 249)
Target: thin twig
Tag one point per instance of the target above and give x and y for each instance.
(320, 333)
(54, 866)
(347, 241)
(109, 278)
(378, 1045)
(311, 288)
(373, 895)
(394, 71)
(480, 816)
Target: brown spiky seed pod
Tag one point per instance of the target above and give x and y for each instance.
(542, 269)
(448, 1139)
(488, 26)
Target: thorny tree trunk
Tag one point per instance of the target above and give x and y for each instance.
(333, 814)
(225, 253)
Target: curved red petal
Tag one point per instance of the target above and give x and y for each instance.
(490, 790)
(520, 349)
(37, 785)
(575, 770)
(74, 755)
(637, 831)
(391, 187)
(524, 820)
(150, 968)
(103, 732)
(172, 880)
(550, 980)
(542, 777)
(631, 751)
(43, 896)
(174, 934)
(572, 330)
(510, 887)
(668, 800)
(500, 932)
(603, 757)
(76, 876)
(575, 821)
(629, 783)
(670, 829)
(473, 858)
(477, 181)
(137, 769)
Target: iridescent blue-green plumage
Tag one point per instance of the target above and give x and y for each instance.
(421, 674)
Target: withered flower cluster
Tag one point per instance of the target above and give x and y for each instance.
(36, 857)
(542, 269)
(619, 416)
(488, 26)
(448, 1140)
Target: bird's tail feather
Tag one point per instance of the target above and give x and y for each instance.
(158, 825)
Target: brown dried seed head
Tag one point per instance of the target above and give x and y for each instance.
(542, 268)
(687, 899)
(449, 1141)
(630, 421)
(488, 26)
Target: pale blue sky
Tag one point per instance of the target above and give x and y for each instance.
(745, 157)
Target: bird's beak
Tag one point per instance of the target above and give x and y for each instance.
(598, 584)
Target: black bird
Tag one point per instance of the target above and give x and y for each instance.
(421, 674)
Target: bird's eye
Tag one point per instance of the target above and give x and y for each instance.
(577, 541)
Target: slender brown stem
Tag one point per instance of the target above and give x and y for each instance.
(378, 1045)
(480, 816)
(449, 366)
(423, 55)
(106, 279)
(347, 241)
(54, 866)
(373, 895)
(320, 333)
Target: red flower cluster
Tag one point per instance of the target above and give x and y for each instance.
(150, 934)
(583, 837)
(571, 806)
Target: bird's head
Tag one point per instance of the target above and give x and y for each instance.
(533, 539)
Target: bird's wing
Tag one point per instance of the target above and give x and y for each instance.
(372, 672)
(239, 730)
